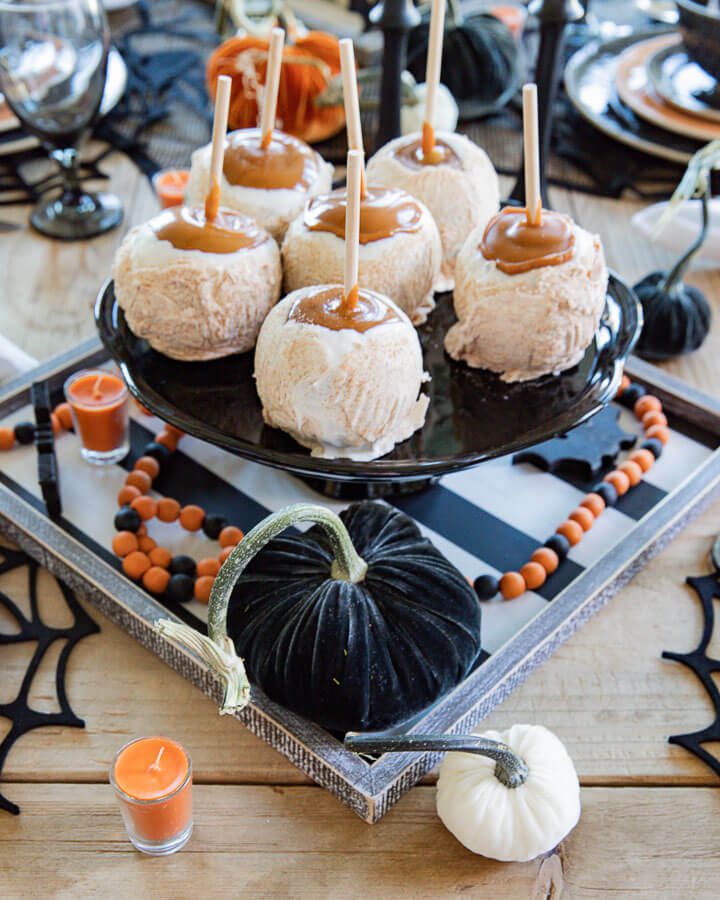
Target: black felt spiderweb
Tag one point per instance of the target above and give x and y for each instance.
(22, 717)
(707, 588)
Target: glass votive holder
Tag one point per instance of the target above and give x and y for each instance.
(152, 780)
(99, 403)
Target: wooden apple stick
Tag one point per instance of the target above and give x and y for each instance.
(352, 228)
(222, 105)
(432, 74)
(352, 103)
(272, 83)
(531, 149)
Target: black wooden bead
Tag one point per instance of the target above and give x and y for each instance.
(24, 432)
(126, 519)
(159, 451)
(560, 544)
(180, 588)
(654, 446)
(213, 525)
(607, 492)
(631, 395)
(182, 565)
(486, 586)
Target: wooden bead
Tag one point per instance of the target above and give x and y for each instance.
(633, 472)
(148, 464)
(7, 438)
(534, 575)
(127, 494)
(145, 507)
(160, 556)
(146, 544)
(594, 502)
(230, 536)
(173, 431)
(141, 480)
(142, 530)
(571, 530)
(124, 542)
(624, 383)
(619, 481)
(208, 566)
(64, 414)
(56, 424)
(583, 517)
(156, 579)
(135, 565)
(168, 510)
(191, 517)
(643, 458)
(659, 432)
(223, 554)
(647, 403)
(167, 440)
(547, 558)
(512, 585)
(203, 586)
(653, 418)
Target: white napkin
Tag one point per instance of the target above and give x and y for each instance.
(13, 360)
(682, 230)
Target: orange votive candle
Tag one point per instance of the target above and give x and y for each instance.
(99, 403)
(152, 778)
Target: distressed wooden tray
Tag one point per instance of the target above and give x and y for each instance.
(472, 516)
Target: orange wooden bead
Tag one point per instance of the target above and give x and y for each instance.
(127, 494)
(56, 424)
(571, 530)
(619, 481)
(148, 464)
(660, 432)
(512, 585)
(643, 458)
(156, 579)
(124, 542)
(583, 516)
(173, 431)
(146, 544)
(160, 556)
(7, 438)
(547, 558)
(145, 507)
(192, 517)
(624, 384)
(653, 418)
(64, 414)
(142, 530)
(632, 470)
(136, 564)
(208, 566)
(646, 403)
(167, 440)
(168, 509)
(593, 502)
(230, 536)
(223, 554)
(141, 480)
(533, 574)
(203, 586)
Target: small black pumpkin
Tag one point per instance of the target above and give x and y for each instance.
(354, 652)
(481, 62)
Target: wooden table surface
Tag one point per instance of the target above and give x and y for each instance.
(651, 812)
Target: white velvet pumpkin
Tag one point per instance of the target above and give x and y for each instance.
(511, 824)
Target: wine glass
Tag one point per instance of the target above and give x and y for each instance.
(53, 62)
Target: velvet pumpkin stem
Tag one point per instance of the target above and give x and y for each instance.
(672, 280)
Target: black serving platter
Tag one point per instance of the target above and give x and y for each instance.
(473, 415)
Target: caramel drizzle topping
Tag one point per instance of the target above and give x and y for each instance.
(277, 161)
(212, 201)
(429, 150)
(517, 246)
(187, 228)
(383, 213)
(359, 311)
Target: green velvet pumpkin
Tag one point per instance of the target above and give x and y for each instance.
(363, 655)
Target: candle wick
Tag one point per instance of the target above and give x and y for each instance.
(96, 392)
(155, 767)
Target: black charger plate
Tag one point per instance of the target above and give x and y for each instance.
(473, 415)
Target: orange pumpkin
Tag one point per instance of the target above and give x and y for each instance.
(308, 65)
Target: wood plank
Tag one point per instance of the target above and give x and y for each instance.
(298, 841)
